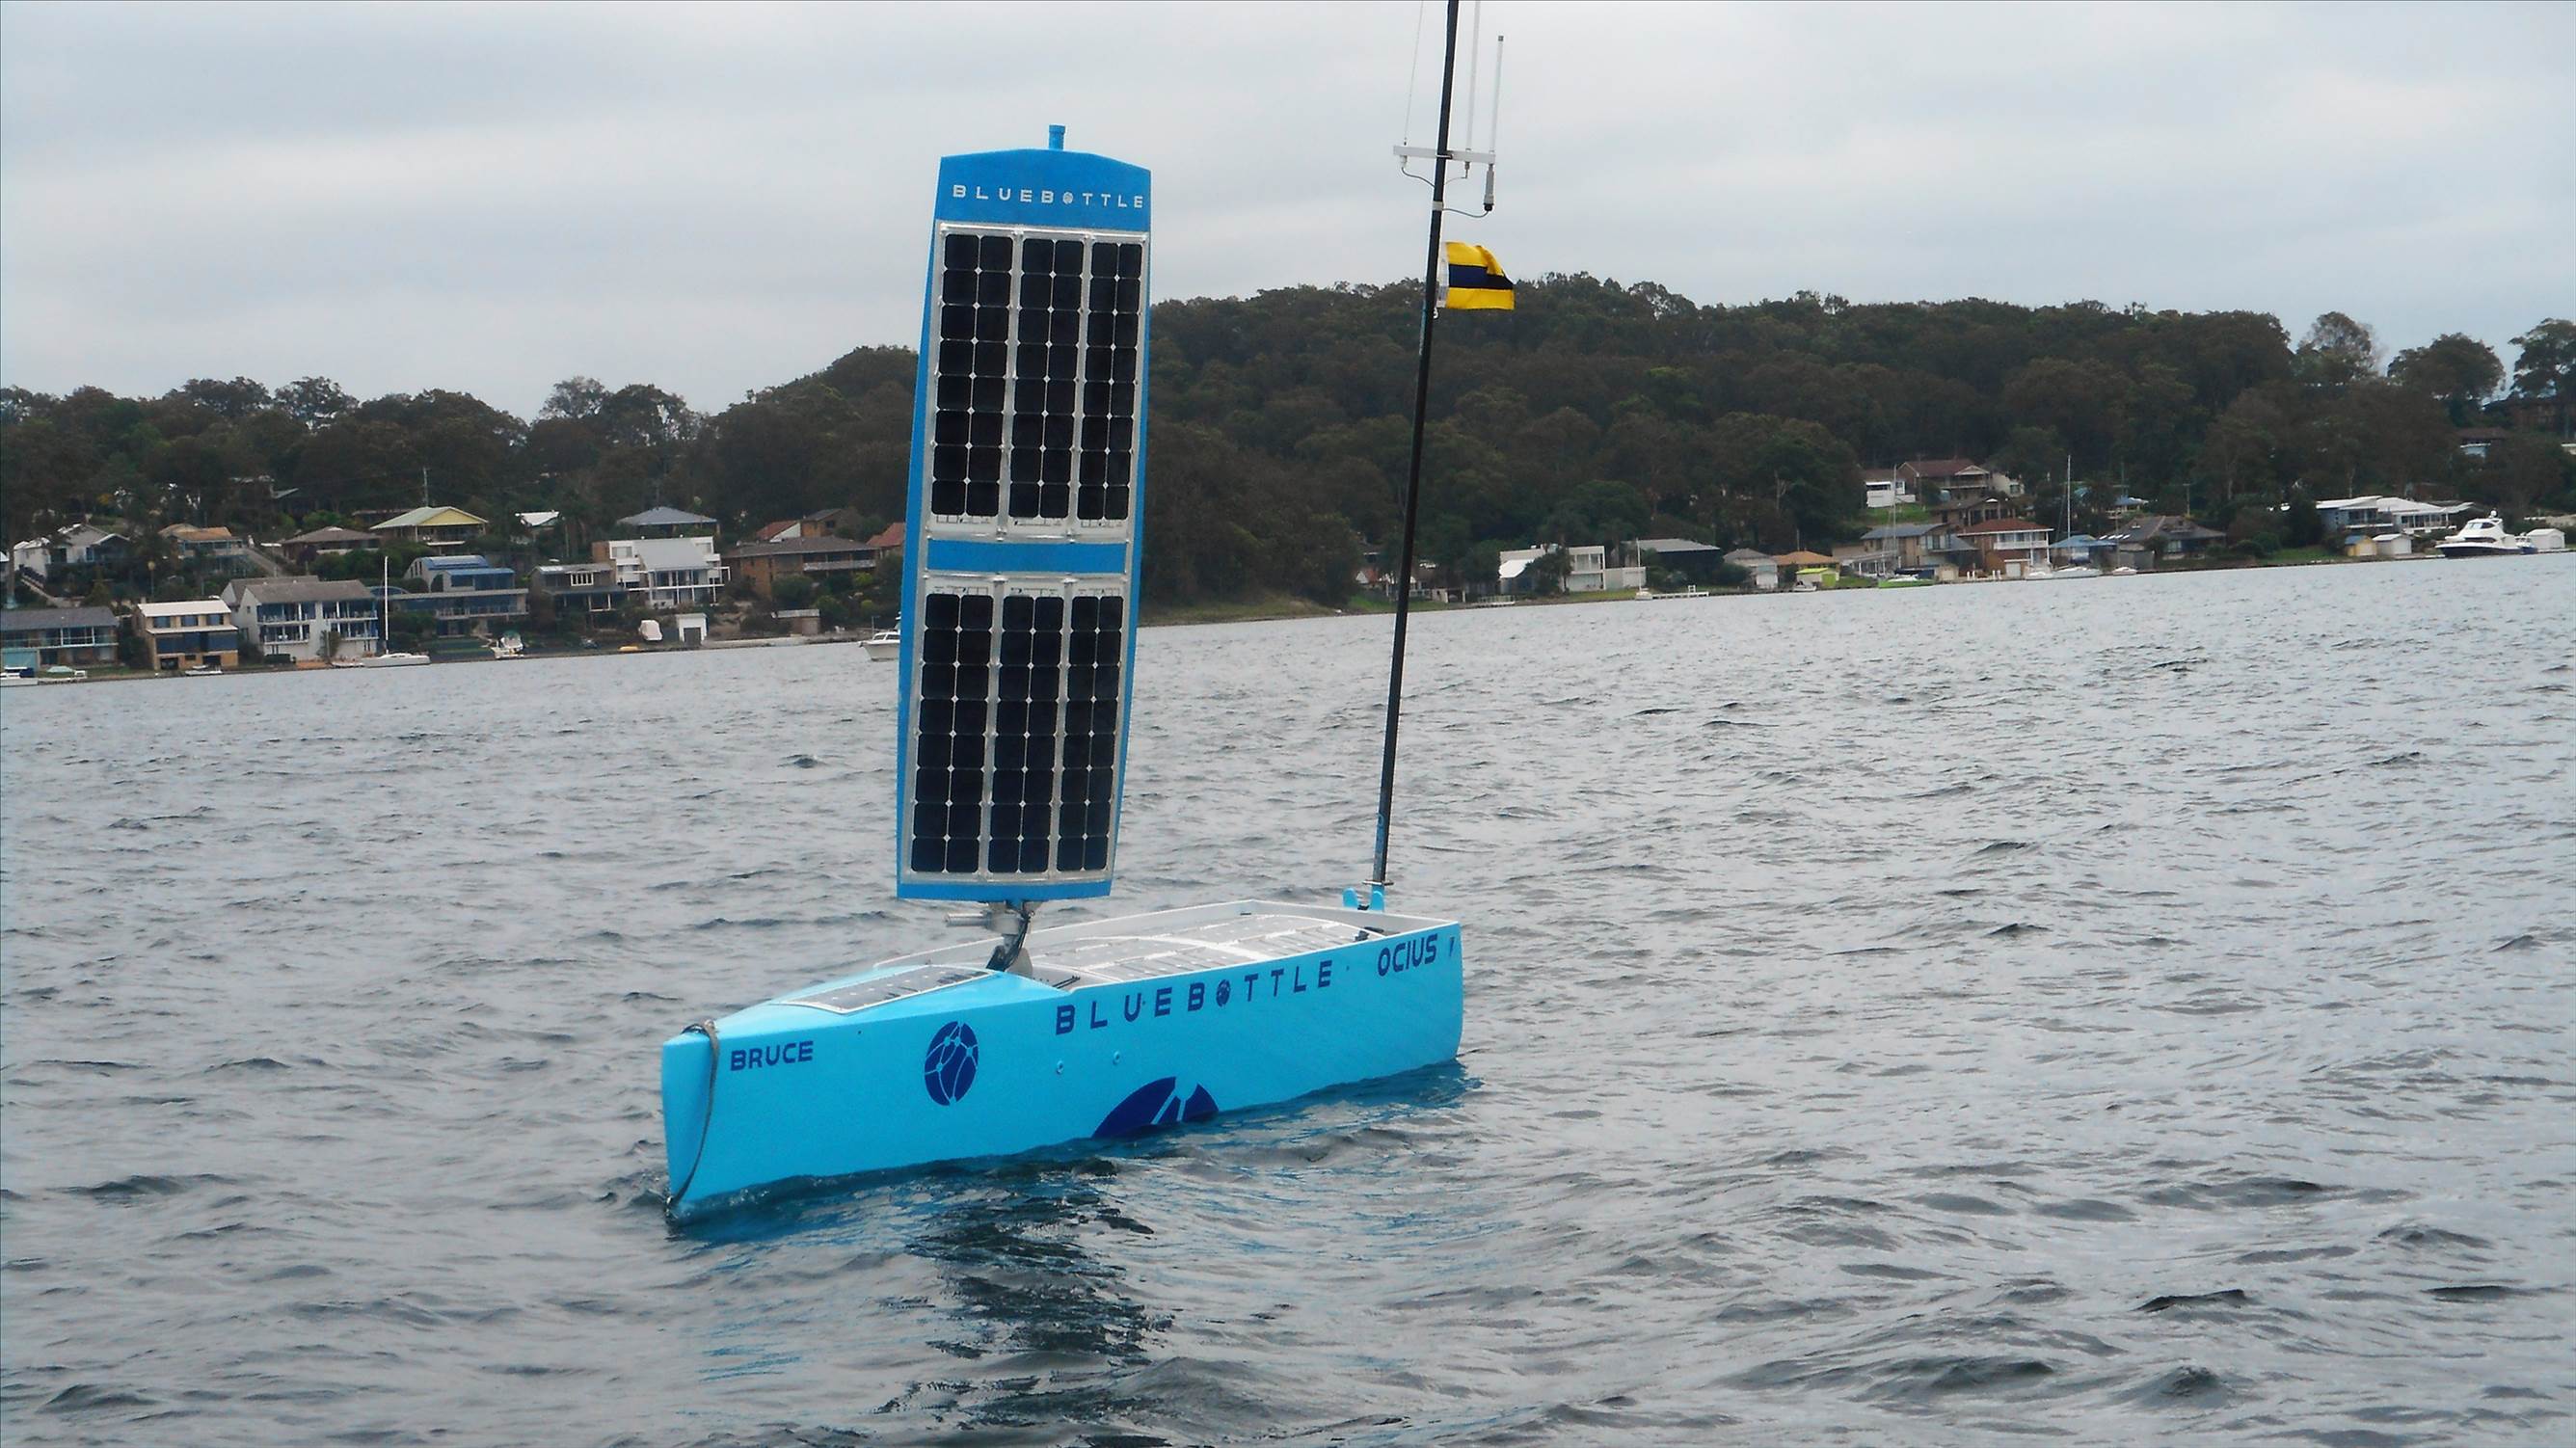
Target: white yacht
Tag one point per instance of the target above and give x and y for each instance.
(884, 644)
(2483, 538)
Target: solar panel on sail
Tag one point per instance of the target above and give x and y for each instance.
(1017, 728)
(1020, 553)
(1035, 379)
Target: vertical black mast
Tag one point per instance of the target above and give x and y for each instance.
(1431, 267)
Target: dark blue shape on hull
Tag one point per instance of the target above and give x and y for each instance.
(948, 1068)
(1156, 1103)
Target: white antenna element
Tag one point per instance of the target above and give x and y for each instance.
(1467, 159)
(1493, 124)
(1420, 9)
(1475, 27)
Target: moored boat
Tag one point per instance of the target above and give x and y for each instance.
(883, 645)
(2483, 538)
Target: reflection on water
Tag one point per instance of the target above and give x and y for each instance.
(2133, 1010)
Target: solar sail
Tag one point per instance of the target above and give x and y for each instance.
(1020, 547)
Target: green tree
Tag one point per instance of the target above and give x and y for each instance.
(2546, 368)
(2337, 350)
(2456, 368)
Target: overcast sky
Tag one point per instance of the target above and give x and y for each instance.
(721, 198)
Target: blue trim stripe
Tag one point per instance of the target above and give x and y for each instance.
(945, 887)
(968, 555)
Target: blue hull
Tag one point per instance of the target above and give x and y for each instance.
(1128, 1024)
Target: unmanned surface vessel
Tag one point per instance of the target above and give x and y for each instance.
(1021, 563)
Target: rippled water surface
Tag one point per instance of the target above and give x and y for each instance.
(2136, 1009)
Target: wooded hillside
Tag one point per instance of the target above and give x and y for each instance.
(1596, 411)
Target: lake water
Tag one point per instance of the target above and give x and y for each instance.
(2116, 1010)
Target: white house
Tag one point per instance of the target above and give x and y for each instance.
(299, 617)
(667, 573)
(82, 545)
(1885, 488)
(1516, 562)
(1588, 570)
(2373, 511)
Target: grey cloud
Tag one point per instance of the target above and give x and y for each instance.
(719, 198)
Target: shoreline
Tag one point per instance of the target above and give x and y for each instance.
(1274, 609)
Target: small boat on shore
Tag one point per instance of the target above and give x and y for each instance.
(2483, 538)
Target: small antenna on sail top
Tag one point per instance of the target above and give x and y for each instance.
(1441, 158)
(1468, 158)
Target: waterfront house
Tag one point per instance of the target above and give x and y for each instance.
(2008, 546)
(1860, 560)
(463, 593)
(188, 634)
(666, 573)
(1512, 570)
(763, 564)
(306, 618)
(1917, 545)
(2157, 536)
(2371, 511)
(437, 528)
(1764, 573)
(2076, 548)
(82, 545)
(1695, 561)
(45, 637)
(319, 543)
(209, 547)
(1588, 570)
(1790, 563)
(588, 588)
(666, 523)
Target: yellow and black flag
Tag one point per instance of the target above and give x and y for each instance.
(1476, 280)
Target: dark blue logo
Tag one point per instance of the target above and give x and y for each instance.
(948, 1068)
(1156, 1103)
